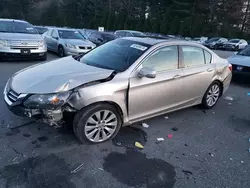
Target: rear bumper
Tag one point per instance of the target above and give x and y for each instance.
(226, 83)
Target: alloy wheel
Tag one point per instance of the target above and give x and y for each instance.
(213, 95)
(101, 126)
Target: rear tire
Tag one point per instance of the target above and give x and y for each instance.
(212, 95)
(97, 123)
(61, 52)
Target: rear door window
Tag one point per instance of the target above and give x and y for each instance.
(208, 57)
(192, 56)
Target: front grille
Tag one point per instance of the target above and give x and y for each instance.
(12, 95)
(20, 48)
(24, 44)
(85, 47)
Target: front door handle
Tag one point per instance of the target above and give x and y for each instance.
(210, 69)
(176, 76)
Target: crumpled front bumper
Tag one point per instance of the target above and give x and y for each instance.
(51, 117)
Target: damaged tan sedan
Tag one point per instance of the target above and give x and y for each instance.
(117, 84)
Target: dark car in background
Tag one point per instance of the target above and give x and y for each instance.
(215, 42)
(100, 38)
(41, 29)
(241, 62)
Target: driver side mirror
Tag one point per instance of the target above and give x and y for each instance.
(55, 38)
(147, 72)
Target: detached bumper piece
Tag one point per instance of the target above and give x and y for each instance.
(19, 56)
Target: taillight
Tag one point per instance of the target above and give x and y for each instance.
(230, 67)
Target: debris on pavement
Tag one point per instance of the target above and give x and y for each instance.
(145, 125)
(228, 98)
(196, 155)
(242, 162)
(213, 113)
(166, 117)
(77, 169)
(248, 94)
(229, 103)
(101, 169)
(231, 159)
(127, 137)
(186, 145)
(160, 139)
(170, 136)
(139, 145)
(212, 155)
(175, 129)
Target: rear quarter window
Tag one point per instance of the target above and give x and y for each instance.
(208, 57)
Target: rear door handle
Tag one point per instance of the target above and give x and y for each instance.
(176, 76)
(210, 69)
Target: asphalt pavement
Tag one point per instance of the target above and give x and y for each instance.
(201, 149)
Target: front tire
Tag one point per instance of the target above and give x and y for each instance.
(97, 123)
(61, 51)
(212, 95)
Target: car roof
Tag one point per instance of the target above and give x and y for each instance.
(155, 41)
(149, 40)
(64, 29)
(129, 31)
(3, 19)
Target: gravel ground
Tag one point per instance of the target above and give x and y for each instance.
(208, 149)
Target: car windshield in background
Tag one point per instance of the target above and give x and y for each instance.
(196, 39)
(68, 34)
(245, 52)
(109, 37)
(213, 39)
(41, 30)
(137, 34)
(16, 27)
(116, 55)
(234, 41)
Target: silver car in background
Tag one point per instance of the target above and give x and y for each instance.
(119, 83)
(67, 42)
(235, 44)
(19, 40)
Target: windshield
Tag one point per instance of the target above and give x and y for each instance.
(116, 55)
(82, 33)
(41, 30)
(17, 27)
(245, 52)
(68, 34)
(234, 40)
(109, 37)
(213, 39)
(137, 34)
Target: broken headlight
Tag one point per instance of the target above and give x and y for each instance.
(47, 101)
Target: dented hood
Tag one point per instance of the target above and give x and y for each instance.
(56, 76)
